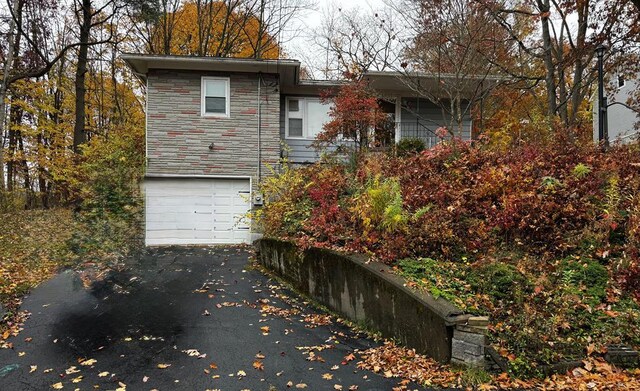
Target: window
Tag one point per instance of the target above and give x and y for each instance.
(305, 117)
(621, 81)
(215, 96)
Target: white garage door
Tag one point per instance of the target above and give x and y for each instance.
(197, 211)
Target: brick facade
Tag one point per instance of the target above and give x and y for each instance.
(178, 136)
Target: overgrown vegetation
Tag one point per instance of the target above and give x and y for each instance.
(543, 237)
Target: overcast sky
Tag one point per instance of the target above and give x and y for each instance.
(301, 46)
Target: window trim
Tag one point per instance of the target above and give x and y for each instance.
(227, 97)
(302, 108)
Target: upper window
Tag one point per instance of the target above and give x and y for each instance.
(621, 81)
(305, 117)
(215, 96)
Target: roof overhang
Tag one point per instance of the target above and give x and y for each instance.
(418, 83)
(141, 64)
(311, 87)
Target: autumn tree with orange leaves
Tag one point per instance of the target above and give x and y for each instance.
(219, 28)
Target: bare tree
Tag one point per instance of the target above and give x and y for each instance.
(457, 44)
(355, 41)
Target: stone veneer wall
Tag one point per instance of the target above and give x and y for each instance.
(178, 136)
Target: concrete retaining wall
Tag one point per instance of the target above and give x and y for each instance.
(369, 293)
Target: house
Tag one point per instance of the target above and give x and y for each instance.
(622, 120)
(216, 125)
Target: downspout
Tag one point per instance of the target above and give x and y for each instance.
(259, 128)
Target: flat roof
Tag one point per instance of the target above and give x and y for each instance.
(142, 63)
(392, 82)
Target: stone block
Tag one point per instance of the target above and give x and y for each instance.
(472, 329)
(460, 349)
(472, 338)
(622, 356)
(481, 321)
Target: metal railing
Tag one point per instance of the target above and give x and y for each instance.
(419, 130)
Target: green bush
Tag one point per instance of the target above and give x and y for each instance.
(584, 274)
(410, 146)
(501, 281)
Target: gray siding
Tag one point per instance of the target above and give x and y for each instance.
(298, 151)
(178, 136)
(420, 118)
(621, 120)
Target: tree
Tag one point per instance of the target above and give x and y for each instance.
(219, 28)
(458, 43)
(563, 42)
(354, 113)
(355, 41)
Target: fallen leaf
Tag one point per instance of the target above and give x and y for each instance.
(337, 387)
(20, 354)
(241, 373)
(164, 366)
(57, 386)
(265, 330)
(77, 379)
(260, 356)
(258, 365)
(145, 379)
(213, 366)
(103, 374)
(327, 376)
(88, 362)
(301, 385)
(71, 370)
(33, 368)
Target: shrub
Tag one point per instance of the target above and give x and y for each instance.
(501, 281)
(410, 146)
(585, 274)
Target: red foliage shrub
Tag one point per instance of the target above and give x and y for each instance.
(462, 198)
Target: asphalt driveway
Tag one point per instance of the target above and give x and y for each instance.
(181, 319)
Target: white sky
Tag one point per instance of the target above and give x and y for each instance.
(301, 47)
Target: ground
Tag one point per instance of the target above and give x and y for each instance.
(180, 318)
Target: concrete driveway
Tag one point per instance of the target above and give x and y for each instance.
(181, 319)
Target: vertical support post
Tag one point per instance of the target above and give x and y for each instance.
(398, 124)
(603, 131)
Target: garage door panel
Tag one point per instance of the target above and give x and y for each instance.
(197, 211)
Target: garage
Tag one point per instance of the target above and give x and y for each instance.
(197, 211)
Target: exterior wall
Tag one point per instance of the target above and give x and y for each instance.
(297, 150)
(178, 136)
(621, 120)
(420, 118)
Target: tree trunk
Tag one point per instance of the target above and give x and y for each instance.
(26, 177)
(8, 64)
(552, 102)
(79, 134)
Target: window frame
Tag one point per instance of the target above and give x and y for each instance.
(303, 110)
(203, 103)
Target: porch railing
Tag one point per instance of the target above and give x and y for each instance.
(419, 130)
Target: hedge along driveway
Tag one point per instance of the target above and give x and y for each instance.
(181, 319)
